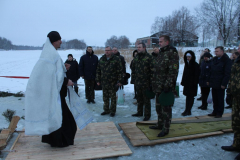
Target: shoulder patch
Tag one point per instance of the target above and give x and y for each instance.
(175, 66)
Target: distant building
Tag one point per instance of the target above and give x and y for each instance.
(188, 40)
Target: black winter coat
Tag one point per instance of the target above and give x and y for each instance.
(204, 73)
(190, 76)
(73, 73)
(220, 72)
(122, 61)
(88, 66)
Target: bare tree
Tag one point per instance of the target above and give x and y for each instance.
(182, 25)
(121, 42)
(220, 13)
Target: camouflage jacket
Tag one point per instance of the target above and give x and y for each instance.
(165, 71)
(109, 72)
(234, 84)
(142, 70)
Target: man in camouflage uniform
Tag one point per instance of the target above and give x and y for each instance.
(234, 89)
(165, 74)
(142, 74)
(109, 74)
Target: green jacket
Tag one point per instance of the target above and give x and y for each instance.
(109, 72)
(234, 84)
(142, 70)
(165, 71)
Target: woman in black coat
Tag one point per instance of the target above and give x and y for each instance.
(190, 80)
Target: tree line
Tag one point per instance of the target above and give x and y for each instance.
(218, 19)
(71, 44)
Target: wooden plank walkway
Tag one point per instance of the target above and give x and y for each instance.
(138, 138)
(97, 140)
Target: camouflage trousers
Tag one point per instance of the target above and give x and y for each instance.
(89, 89)
(109, 93)
(236, 122)
(164, 115)
(143, 100)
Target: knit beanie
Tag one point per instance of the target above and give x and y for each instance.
(54, 36)
(207, 54)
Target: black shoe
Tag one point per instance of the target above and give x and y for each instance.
(218, 116)
(155, 127)
(237, 157)
(137, 115)
(228, 107)
(88, 101)
(162, 134)
(212, 114)
(92, 101)
(204, 108)
(146, 118)
(228, 148)
(112, 114)
(186, 113)
(200, 107)
(104, 113)
(200, 98)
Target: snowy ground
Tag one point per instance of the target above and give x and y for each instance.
(20, 63)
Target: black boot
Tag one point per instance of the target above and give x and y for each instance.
(200, 107)
(204, 102)
(191, 101)
(186, 107)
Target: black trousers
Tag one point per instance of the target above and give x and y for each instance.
(218, 101)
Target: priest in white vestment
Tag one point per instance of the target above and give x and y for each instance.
(46, 111)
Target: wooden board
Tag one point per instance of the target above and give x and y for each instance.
(97, 140)
(6, 134)
(138, 138)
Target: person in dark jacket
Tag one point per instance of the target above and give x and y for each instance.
(87, 69)
(229, 96)
(155, 52)
(73, 73)
(218, 80)
(200, 61)
(204, 74)
(132, 80)
(190, 80)
(116, 53)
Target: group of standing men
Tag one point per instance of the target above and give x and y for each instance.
(158, 74)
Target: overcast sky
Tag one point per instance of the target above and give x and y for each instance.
(27, 22)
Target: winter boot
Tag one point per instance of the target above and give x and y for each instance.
(204, 102)
(191, 101)
(186, 107)
(200, 107)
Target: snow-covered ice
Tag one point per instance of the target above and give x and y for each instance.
(20, 63)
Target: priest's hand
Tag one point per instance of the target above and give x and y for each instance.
(67, 65)
(70, 83)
